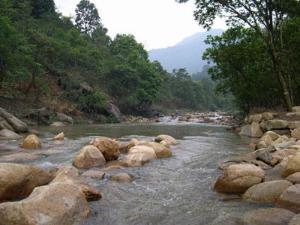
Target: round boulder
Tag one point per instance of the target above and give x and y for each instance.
(292, 165)
(139, 155)
(108, 147)
(294, 178)
(167, 139)
(88, 157)
(57, 203)
(31, 142)
(267, 192)
(18, 181)
(237, 178)
(161, 150)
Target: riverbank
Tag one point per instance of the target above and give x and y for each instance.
(269, 175)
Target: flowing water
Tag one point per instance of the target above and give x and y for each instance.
(172, 191)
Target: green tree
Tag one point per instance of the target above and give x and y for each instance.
(264, 17)
(87, 17)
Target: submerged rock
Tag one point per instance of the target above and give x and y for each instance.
(108, 147)
(267, 192)
(268, 216)
(31, 142)
(88, 157)
(17, 181)
(238, 178)
(121, 177)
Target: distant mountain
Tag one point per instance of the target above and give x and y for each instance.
(186, 54)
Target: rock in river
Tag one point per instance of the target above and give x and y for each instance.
(18, 181)
(8, 134)
(108, 147)
(139, 155)
(268, 216)
(290, 199)
(167, 139)
(88, 157)
(57, 203)
(292, 166)
(237, 178)
(161, 150)
(252, 130)
(267, 192)
(31, 142)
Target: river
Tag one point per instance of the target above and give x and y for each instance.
(172, 191)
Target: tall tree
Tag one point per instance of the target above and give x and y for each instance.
(265, 17)
(87, 17)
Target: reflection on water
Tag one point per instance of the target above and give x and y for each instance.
(170, 191)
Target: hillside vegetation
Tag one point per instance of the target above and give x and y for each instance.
(47, 59)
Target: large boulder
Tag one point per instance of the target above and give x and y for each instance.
(296, 133)
(139, 155)
(31, 142)
(88, 157)
(6, 134)
(161, 150)
(14, 122)
(292, 166)
(70, 175)
(252, 130)
(267, 216)
(237, 178)
(273, 135)
(57, 203)
(167, 139)
(267, 192)
(108, 147)
(276, 124)
(17, 181)
(290, 199)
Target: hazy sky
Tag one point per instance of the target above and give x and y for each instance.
(155, 23)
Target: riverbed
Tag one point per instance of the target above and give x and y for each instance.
(176, 190)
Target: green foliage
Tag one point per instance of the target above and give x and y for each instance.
(87, 17)
(265, 18)
(134, 80)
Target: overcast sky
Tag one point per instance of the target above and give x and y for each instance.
(155, 23)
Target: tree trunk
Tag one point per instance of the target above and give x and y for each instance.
(277, 63)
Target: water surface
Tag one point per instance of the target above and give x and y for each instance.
(173, 191)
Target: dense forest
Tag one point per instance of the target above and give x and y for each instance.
(257, 58)
(71, 64)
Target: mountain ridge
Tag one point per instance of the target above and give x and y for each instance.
(185, 54)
